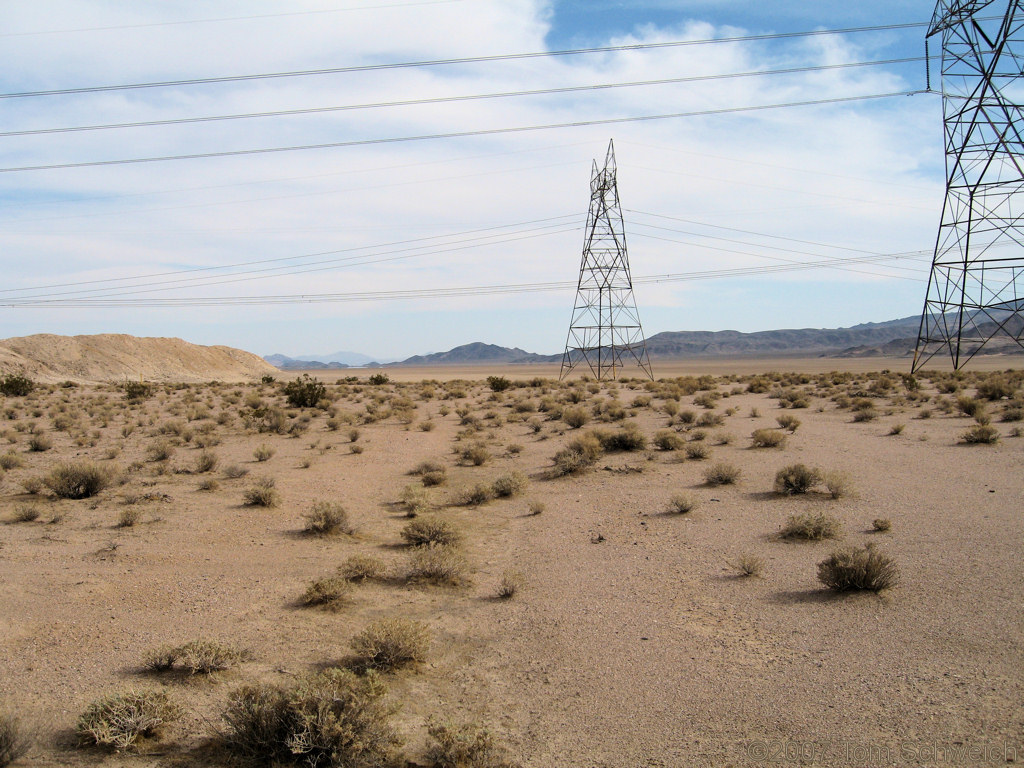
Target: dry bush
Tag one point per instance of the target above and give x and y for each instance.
(263, 452)
(11, 460)
(881, 524)
(575, 417)
(984, 434)
(628, 438)
(512, 484)
(262, 494)
(426, 531)
(474, 495)
(206, 461)
(234, 471)
(668, 440)
(681, 503)
(788, 422)
(467, 745)
(129, 517)
(14, 739)
(26, 513)
(476, 454)
(796, 478)
(333, 592)
(811, 526)
(536, 507)
(362, 568)
(854, 569)
(160, 451)
(768, 438)
(749, 565)
(511, 582)
(78, 480)
(390, 644)
(335, 718)
(438, 565)
(326, 519)
(710, 420)
(209, 656)
(577, 456)
(434, 478)
(120, 720)
(208, 484)
(897, 429)
(838, 484)
(39, 442)
(697, 451)
(415, 499)
(161, 659)
(721, 474)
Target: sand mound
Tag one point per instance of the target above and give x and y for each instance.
(116, 356)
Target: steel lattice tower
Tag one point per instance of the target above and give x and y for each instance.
(976, 287)
(605, 330)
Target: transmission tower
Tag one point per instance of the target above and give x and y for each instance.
(605, 332)
(976, 288)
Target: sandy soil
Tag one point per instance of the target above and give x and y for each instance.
(633, 641)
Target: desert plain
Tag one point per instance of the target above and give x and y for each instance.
(658, 617)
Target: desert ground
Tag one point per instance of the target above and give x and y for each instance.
(615, 589)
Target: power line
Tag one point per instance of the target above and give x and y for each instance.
(453, 99)
(454, 135)
(453, 61)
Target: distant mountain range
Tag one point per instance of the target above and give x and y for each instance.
(320, 362)
(892, 338)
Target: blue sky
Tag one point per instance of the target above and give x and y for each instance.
(726, 193)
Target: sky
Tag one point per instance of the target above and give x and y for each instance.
(303, 252)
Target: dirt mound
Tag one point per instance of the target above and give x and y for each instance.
(116, 356)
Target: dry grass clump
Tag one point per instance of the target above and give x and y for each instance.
(209, 656)
(467, 745)
(681, 504)
(796, 479)
(427, 531)
(668, 440)
(326, 518)
(14, 740)
(335, 718)
(25, 513)
(697, 451)
(511, 582)
(721, 473)
(78, 480)
(235, 471)
(628, 438)
(474, 495)
(333, 593)
(788, 422)
(129, 517)
(120, 720)
(811, 526)
(391, 644)
(838, 484)
(855, 568)
(11, 460)
(748, 565)
(881, 524)
(362, 568)
(39, 443)
(768, 438)
(512, 484)
(262, 494)
(575, 417)
(206, 461)
(578, 456)
(161, 659)
(263, 452)
(438, 565)
(984, 434)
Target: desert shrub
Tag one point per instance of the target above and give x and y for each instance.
(129, 517)
(512, 484)
(854, 568)
(25, 513)
(536, 507)
(434, 477)
(415, 500)
(721, 474)
(161, 659)
(897, 429)
(14, 740)
(390, 644)
(788, 422)
(39, 442)
(811, 526)
(498, 383)
(474, 495)
(748, 565)
(11, 460)
(628, 438)
(78, 480)
(262, 494)
(796, 478)
(326, 519)
(1010, 413)
(697, 451)
(969, 406)
(136, 390)
(263, 452)
(15, 385)
(234, 471)
(304, 392)
(362, 568)
(379, 379)
(32, 485)
(981, 433)
(668, 440)
(511, 582)
(710, 420)
(160, 451)
(425, 531)
(681, 503)
(332, 592)
(438, 565)
(476, 454)
(209, 656)
(685, 417)
(996, 387)
(768, 438)
(838, 484)
(881, 524)
(575, 417)
(120, 720)
(464, 746)
(206, 461)
(336, 718)
(577, 456)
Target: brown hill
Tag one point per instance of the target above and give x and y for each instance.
(116, 356)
